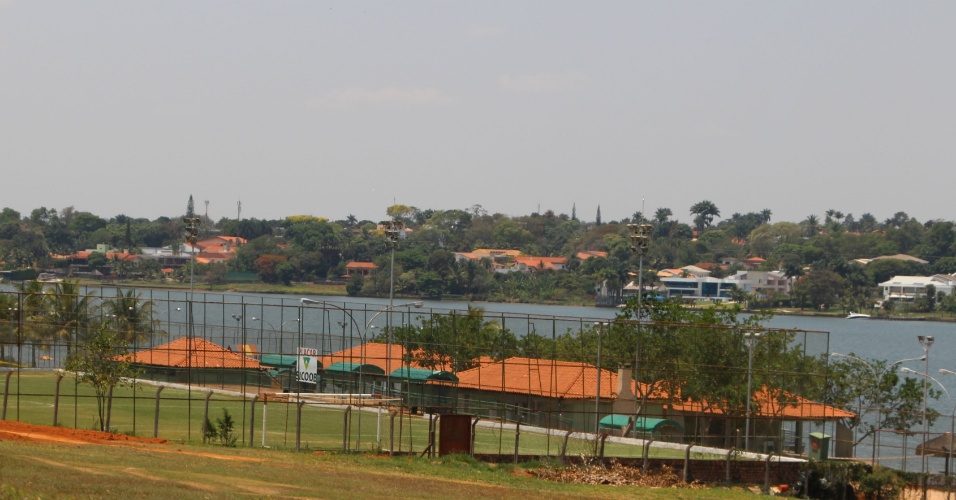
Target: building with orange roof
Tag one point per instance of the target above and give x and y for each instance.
(562, 394)
(359, 268)
(198, 361)
(496, 253)
(534, 264)
(543, 392)
(588, 254)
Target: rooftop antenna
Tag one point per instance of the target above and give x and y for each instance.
(207, 209)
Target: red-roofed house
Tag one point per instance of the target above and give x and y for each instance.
(587, 254)
(531, 264)
(359, 268)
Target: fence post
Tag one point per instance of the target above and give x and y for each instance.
(391, 433)
(517, 439)
(564, 445)
(6, 392)
(345, 428)
(56, 397)
(298, 424)
(265, 410)
(647, 448)
(473, 436)
(156, 414)
(730, 453)
(687, 463)
(252, 419)
(603, 437)
(205, 417)
(766, 475)
(109, 408)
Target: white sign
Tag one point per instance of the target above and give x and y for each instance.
(307, 367)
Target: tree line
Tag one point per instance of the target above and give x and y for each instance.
(815, 253)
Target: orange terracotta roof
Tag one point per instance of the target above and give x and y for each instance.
(789, 406)
(540, 377)
(361, 265)
(542, 262)
(587, 254)
(198, 353)
(384, 356)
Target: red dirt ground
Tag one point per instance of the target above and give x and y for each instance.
(19, 431)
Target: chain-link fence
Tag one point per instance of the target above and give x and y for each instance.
(327, 374)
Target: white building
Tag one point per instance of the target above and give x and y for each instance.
(908, 288)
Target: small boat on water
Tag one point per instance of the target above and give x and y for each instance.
(854, 315)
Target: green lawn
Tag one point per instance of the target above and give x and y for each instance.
(181, 415)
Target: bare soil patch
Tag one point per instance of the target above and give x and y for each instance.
(19, 431)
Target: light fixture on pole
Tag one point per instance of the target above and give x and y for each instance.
(640, 235)
(598, 326)
(751, 339)
(394, 230)
(926, 341)
(925, 377)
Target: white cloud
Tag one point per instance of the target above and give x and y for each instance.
(543, 82)
(483, 31)
(387, 96)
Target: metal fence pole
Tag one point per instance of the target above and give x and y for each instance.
(298, 425)
(6, 392)
(205, 418)
(252, 419)
(56, 398)
(156, 414)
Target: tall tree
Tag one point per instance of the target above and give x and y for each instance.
(704, 213)
(597, 219)
(190, 208)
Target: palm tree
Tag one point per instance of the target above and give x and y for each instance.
(132, 317)
(72, 314)
(705, 211)
(34, 318)
(765, 215)
(811, 225)
(8, 306)
(661, 215)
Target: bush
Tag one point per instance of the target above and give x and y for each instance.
(223, 430)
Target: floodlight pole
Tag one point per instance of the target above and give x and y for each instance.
(751, 339)
(640, 243)
(597, 395)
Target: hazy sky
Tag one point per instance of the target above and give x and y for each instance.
(338, 108)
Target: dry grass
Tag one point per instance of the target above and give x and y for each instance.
(68, 470)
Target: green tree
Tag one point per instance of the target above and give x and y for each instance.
(821, 288)
(102, 364)
(704, 213)
(72, 312)
(879, 398)
(130, 316)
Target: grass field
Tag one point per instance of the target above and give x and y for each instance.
(181, 415)
(62, 470)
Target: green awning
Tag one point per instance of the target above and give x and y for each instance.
(279, 360)
(346, 367)
(422, 375)
(643, 424)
